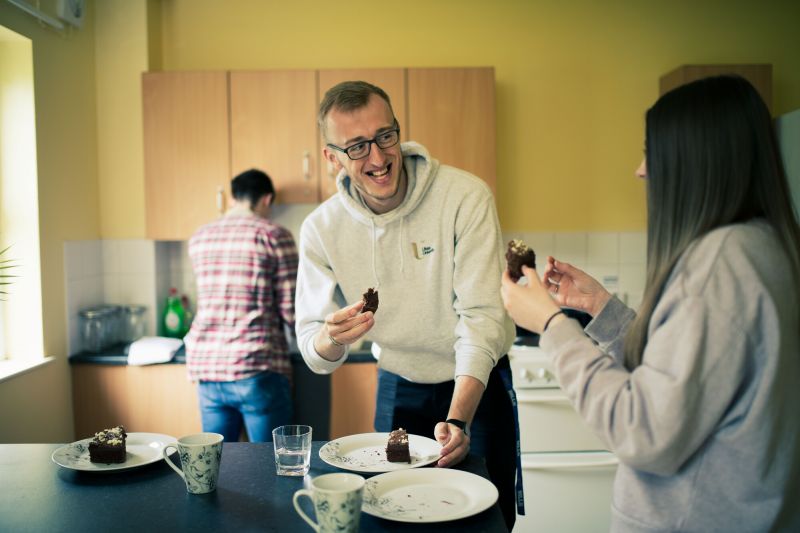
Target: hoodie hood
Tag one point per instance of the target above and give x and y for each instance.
(419, 169)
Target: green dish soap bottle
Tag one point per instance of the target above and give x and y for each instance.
(174, 319)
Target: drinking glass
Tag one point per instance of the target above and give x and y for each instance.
(292, 450)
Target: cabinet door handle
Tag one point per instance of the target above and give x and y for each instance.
(220, 200)
(307, 165)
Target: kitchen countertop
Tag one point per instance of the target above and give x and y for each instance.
(118, 355)
(249, 496)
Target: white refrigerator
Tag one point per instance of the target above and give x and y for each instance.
(788, 129)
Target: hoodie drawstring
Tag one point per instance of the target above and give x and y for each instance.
(402, 264)
(374, 254)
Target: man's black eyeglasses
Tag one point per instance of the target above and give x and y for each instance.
(361, 149)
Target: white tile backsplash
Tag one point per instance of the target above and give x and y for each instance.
(605, 273)
(617, 260)
(140, 271)
(136, 256)
(571, 248)
(633, 247)
(111, 257)
(602, 248)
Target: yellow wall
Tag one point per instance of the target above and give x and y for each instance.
(573, 81)
(573, 78)
(36, 406)
(121, 56)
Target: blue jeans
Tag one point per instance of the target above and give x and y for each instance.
(417, 407)
(263, 402)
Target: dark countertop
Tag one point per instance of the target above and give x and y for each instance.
(118, 355)
(41, 496)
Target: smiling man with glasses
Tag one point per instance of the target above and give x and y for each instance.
(427, 238)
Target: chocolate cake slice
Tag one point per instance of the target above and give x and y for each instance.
(517, 255)
(370, 301)
(108, 446)
(397, 447)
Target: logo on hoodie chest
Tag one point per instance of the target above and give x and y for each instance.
(421, 249)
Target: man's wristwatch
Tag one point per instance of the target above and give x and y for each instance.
(460, 424)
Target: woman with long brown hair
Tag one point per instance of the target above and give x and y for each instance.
(698, 392)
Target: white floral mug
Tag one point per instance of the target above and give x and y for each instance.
(337, 502)
(201, 454)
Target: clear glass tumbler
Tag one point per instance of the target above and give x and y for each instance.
(292, 450)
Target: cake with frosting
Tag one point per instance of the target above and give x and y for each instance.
(108, 446)
(370, 300)
(397, 448)
(518, 254)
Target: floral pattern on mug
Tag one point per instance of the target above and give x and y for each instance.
(201, 468)
(338, 513)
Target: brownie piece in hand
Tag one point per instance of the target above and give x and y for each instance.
(370, 301)
(397, 448)
(517, 255)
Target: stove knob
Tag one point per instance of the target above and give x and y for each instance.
(526, 374)
(542, 373)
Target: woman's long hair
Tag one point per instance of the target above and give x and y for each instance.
(712, 160)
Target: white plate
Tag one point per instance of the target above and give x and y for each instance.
(366, 452)
(427, 495)
(142, 449)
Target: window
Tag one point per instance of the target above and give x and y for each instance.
(21, 310)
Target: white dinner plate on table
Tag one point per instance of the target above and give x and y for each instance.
(366, 452)
(142, 449)
(427, 495)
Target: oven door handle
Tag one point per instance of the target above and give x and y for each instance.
(534, 464)
(541, 396)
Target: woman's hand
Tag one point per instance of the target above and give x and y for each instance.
(529, 305)
(572, 287)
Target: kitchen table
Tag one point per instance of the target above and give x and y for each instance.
(38, 495)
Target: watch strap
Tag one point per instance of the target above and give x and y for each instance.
(460, 424)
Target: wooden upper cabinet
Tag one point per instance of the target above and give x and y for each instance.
(203, 128)
(391, 80)
(760, 75)
(451, 111)
(273, 128)
(185, 120)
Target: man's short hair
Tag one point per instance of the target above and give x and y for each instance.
(348, 96)
(252, 185)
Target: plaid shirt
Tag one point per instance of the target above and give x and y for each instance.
(246, 269)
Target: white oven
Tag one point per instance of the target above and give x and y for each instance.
(567, 473)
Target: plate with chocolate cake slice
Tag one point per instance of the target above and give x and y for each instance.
(139, 449)
(427, 495)
(380, 452)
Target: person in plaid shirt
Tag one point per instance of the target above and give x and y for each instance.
(246, 267)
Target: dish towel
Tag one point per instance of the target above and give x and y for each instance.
(152, 350)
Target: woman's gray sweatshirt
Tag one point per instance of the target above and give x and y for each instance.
(707, 429)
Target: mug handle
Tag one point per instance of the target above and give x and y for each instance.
(304, 516)
(169, 461)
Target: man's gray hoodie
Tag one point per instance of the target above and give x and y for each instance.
(436, 260)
